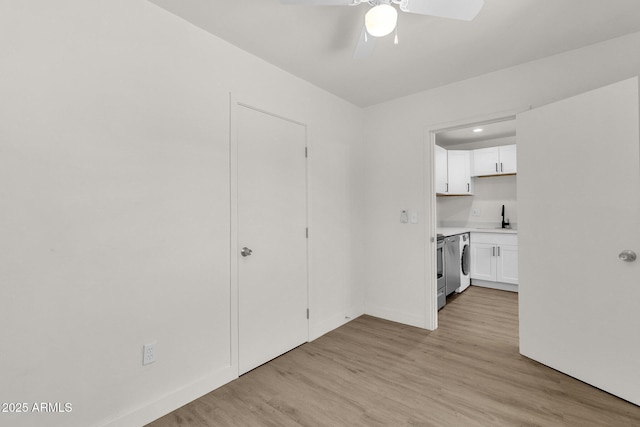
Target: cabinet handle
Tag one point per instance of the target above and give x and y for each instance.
(493, 251)
(501, 168)
(498, 250)
(496, 167)
(447, 188)
(468, 190)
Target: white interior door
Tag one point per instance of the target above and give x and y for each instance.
(272, 272)
(579, 208)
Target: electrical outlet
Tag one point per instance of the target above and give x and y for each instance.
(475, 212)
(149, 353)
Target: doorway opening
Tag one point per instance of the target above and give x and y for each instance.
(474, 207)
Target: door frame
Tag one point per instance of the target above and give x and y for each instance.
(236, 102)
(429, 200)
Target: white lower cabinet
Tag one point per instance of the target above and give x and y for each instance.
(483, 261)
(507, 265)
(494, 260)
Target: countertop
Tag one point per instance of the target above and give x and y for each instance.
(450, 231)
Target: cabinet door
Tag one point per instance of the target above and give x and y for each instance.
(459, 172)
(483, 261)
(441, 169)
(508, 162)
(507, 264)
(486, 161)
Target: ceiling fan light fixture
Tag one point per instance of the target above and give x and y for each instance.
(380, 20)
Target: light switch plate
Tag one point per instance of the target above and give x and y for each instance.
(475, 212)
(414, 217)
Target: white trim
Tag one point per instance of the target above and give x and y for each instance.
(431, 285)
(396, 316)
(316, 330)
(233, 216)
(495, 285)
(261, 110)
(180, 397)
(476, 120)
(307, 166)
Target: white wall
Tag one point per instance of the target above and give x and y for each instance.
(490, 193)
(114, 206)
(395, 270)
(114, 189)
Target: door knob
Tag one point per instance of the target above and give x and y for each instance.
(628, 256)
(246, 251)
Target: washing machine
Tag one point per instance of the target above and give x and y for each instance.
(465, 263)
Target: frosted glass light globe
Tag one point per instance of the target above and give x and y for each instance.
(381, 20)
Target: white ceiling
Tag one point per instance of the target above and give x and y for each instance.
(316, 43)
(504, 129)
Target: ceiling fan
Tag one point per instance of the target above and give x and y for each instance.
(382, 17)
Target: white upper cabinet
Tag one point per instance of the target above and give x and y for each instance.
(486, 161)
(459, 172)
(441, 170)
(508, 163)
(453, 172)
(494, 161)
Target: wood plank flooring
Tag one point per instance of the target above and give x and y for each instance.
(373, 372)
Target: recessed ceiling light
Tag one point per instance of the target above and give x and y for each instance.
(476, 130)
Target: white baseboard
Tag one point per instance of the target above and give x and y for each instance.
(495, 285)
(316, 330)
(396, 316)
(199, 388)
(175, 399)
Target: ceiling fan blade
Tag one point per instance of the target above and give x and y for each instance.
(365, 46)
(464, 10)
(322, 2)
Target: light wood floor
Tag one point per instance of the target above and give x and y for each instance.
(372, 372)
